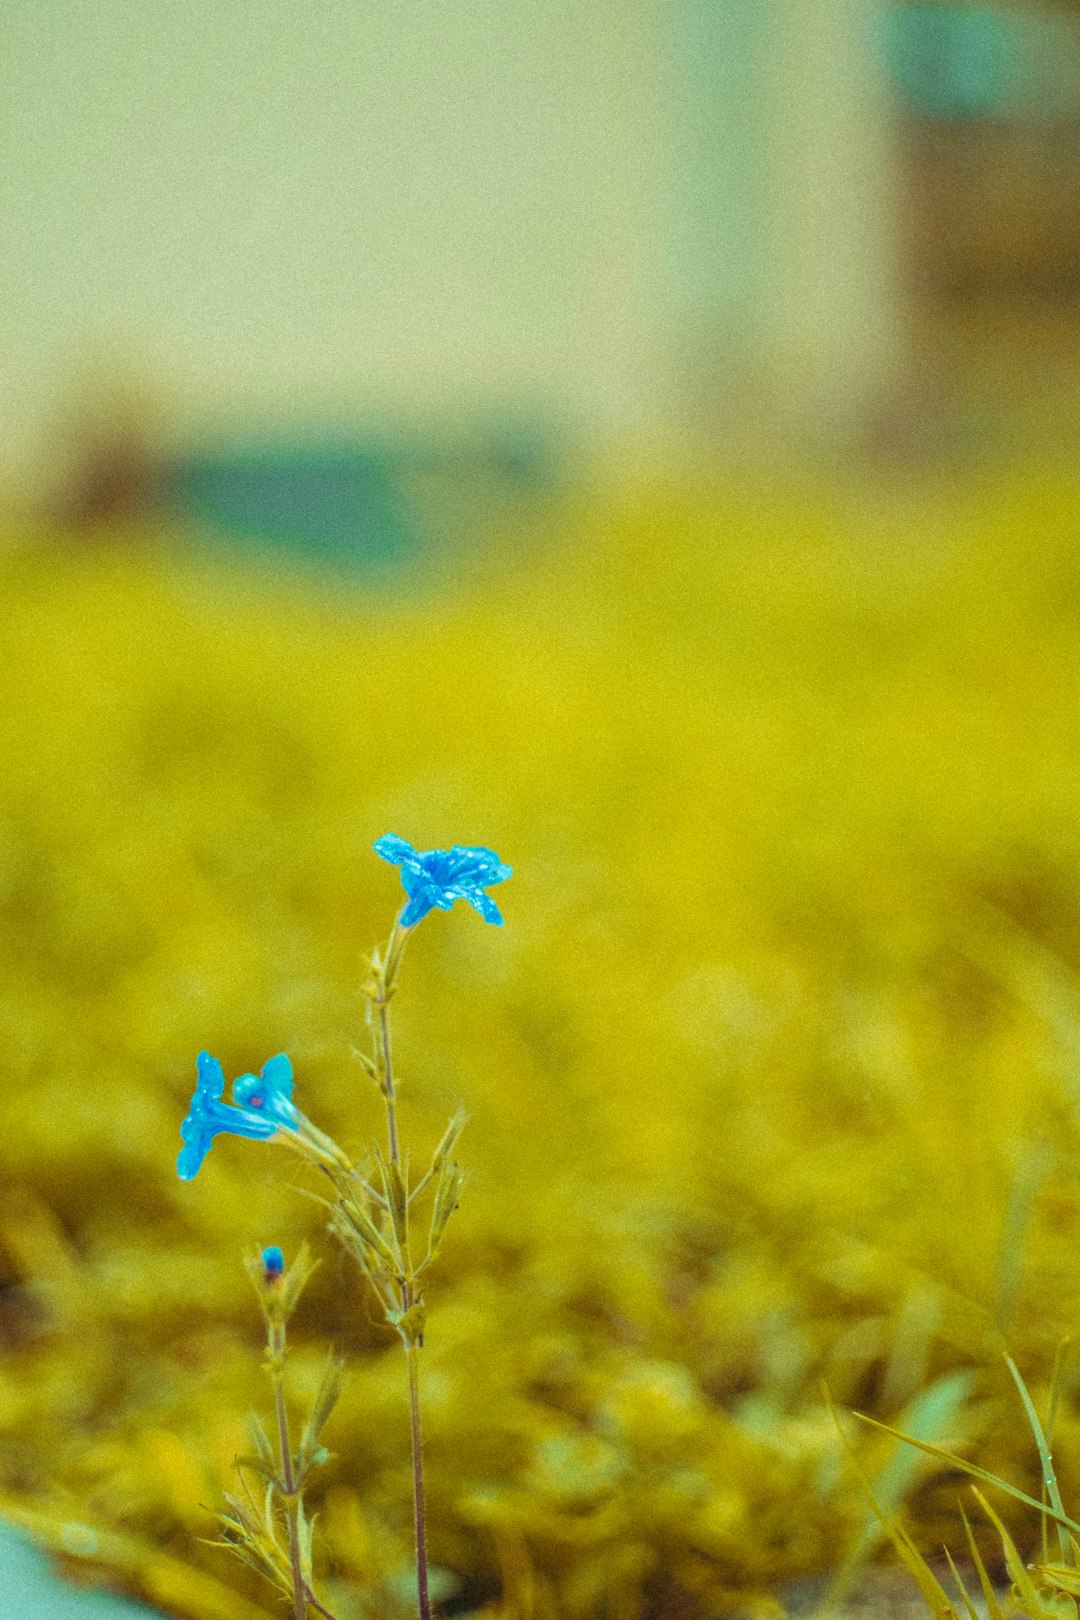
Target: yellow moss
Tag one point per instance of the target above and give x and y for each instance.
(771, 1073)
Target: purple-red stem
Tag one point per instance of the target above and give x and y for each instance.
(288, 1479)
(390, 966)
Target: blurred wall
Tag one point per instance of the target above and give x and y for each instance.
(791, 287)
(606, 210)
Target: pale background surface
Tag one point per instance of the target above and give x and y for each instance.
(617, 215)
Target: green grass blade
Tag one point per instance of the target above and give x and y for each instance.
(1025, 1586)
(1025, 1186)
(973, 1613)
(975, 1472)
(929, 1413)
(990, 1597)
(934, 1594)
(1064, 1579)
(1056, 1377)
(1049, 1478)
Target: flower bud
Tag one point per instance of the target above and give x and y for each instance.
(273, 1264)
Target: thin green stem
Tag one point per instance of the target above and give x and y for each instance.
(395, 950)
(419, 1506)
(288, 1478)
(388, 1083)
(385, 978)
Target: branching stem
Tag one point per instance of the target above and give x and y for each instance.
(320, 1608)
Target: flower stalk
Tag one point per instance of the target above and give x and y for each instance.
(252, 1523)
(276, 1351)
(379, 990)
(372, 1214)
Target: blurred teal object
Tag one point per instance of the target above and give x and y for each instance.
(28, 1588)
(366, 504)
(965, 63)
(338, 502)
(952, 62)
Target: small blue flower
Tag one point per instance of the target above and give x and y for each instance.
(273, 1263)
(438, 877)
(208, 1116)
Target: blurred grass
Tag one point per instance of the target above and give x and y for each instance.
(774, 1072)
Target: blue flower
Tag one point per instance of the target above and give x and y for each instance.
(438, 877)
(208, 1116)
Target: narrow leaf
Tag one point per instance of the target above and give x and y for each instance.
(974, 1471)
(442, 1153)
(304, 1527)
(447, 1193)
(990, 1597)
(973, 1613)
(934, 1594)
(1049, 1478)
(361, 1225)
(265, 1470)
(1056, 1378)
(326, 1398)
(1065, 1577)
(1025, 1586)
(261, 1439)
(366, 1063)
(930, 1413)
(268, 1514)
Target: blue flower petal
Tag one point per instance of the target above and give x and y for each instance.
(211, 1082)
(191, 1156)
(278, 1073)
(394, 849)
(476, 864)
(485, 905)
(268, 1094)
(417, 909)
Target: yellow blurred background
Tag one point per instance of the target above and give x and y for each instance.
(640, 439)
